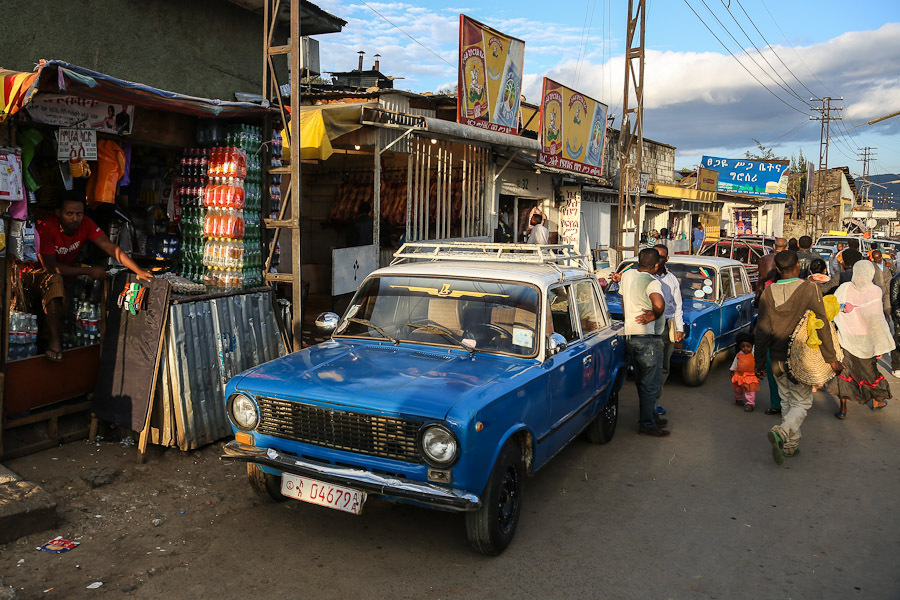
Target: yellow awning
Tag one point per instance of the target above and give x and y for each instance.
(674, 191)
(321, 124)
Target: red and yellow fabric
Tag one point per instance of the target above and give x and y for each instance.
(17, 87)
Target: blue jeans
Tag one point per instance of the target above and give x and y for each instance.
(646, 356)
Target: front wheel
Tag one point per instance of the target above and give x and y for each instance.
(266, 485)
(696, 369)
(491, 527)
(602, 428)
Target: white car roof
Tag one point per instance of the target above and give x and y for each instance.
(703, 261)
(541, 275)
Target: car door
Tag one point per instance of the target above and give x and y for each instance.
(729, 309)
(601, 338)
(572, 377)
(744, 295)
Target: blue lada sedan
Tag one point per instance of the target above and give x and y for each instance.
(717, 302)
(446, 383)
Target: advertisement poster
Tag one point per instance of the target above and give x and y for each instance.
(573, 130)
(570, 216)
(743, 222)
(71, 111)
(76, 143)
(12, 188)
(751, 177)
(490, 77)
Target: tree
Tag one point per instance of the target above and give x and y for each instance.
(764, 153)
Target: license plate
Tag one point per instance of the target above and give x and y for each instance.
(324, 494)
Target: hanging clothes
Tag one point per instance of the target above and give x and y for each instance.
(102, 185)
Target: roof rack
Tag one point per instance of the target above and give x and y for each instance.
(546, 254)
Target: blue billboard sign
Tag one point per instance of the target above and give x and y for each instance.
(751, 177)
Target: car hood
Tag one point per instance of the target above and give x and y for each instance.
(690, 308)
(408, 380)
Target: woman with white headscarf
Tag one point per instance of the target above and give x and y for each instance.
(864, 335)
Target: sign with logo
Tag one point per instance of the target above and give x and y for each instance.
(570, 216)
(351, 266)
(63, 110)
(490, 77)
(76, 143)
(573, 130)
(707, 180)
(751, 177)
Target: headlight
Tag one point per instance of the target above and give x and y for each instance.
(243, 412)
(439, 445)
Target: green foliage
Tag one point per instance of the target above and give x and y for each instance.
(763, 153)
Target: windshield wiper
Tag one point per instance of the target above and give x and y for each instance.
(366, 323)
(433, 327)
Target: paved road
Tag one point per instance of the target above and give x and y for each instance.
(704, 513)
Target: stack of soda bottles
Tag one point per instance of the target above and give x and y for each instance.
(83, 327)
(249, 139)
(193, 181)
(223, 226)
(23, 333)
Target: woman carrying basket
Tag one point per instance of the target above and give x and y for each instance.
(864, 335)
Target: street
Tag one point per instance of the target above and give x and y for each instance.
(704, 513)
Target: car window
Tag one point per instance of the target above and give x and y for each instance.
(710, 250)
(698, 282)
(741, 285)
(561, 313)
(742, 253)
(756, 253)
(724, 250)
(589, 312)
(727, 288)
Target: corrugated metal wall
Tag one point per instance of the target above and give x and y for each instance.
(208, 342)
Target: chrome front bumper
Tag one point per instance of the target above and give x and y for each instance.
(360, 479)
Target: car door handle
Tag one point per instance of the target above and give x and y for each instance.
(614, 343)
(587, 360)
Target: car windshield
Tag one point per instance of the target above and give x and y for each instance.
(698, 282)
(489, 316)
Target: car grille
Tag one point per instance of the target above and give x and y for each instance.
(374, 435)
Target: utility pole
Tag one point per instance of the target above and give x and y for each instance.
(631, 137)
(866, 157)
(815, 212)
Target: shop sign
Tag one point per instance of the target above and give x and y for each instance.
(570, 216)
(573, 130)
(76, 143)
(751, 177)
(63, 110)
(707, 180)
(490, 77)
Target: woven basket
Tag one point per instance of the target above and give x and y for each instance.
(806, 365)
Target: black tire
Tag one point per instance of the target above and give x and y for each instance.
(491, 527)
(696, 369)
(266, 485)
(603, 427)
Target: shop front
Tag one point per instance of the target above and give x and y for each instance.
(179, 186)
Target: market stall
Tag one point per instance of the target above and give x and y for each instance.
(179, 184)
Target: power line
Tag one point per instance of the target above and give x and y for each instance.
(584, 27)
(788, 89)
(780, 99)
(749, 18)
(407, 35)
(802, 123)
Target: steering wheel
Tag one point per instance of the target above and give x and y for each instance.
(497, 329)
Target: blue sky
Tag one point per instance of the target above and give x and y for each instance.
(697, 97)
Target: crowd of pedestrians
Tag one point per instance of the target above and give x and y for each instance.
(859, 295)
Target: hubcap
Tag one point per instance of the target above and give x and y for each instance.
(509, 499)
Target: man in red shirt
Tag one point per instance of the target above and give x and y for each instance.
(62, 237)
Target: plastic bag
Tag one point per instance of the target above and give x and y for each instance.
(110, 168)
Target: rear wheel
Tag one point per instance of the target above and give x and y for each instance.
(602, 428)
(491, 527)
(696, 369)
(266, 485)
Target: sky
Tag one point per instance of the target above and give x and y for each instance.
(698, 97)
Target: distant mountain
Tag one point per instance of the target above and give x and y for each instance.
(885, 195)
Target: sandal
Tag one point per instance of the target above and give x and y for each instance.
(840, 415)
(773, 411)
(875, 407)
(53, 355)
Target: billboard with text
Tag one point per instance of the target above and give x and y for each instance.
(751, 177)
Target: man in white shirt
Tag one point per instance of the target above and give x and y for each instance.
(539, 234)
(674, 315)
(643, 306)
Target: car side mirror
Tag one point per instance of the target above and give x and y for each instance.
(327, 322)
(555, 344)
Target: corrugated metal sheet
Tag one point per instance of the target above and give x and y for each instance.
(207, 343)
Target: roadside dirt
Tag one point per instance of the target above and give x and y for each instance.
(152, 515)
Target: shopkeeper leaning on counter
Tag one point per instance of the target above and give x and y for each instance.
(61, 239)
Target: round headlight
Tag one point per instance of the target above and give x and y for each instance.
(243, 412)
(439, 445)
